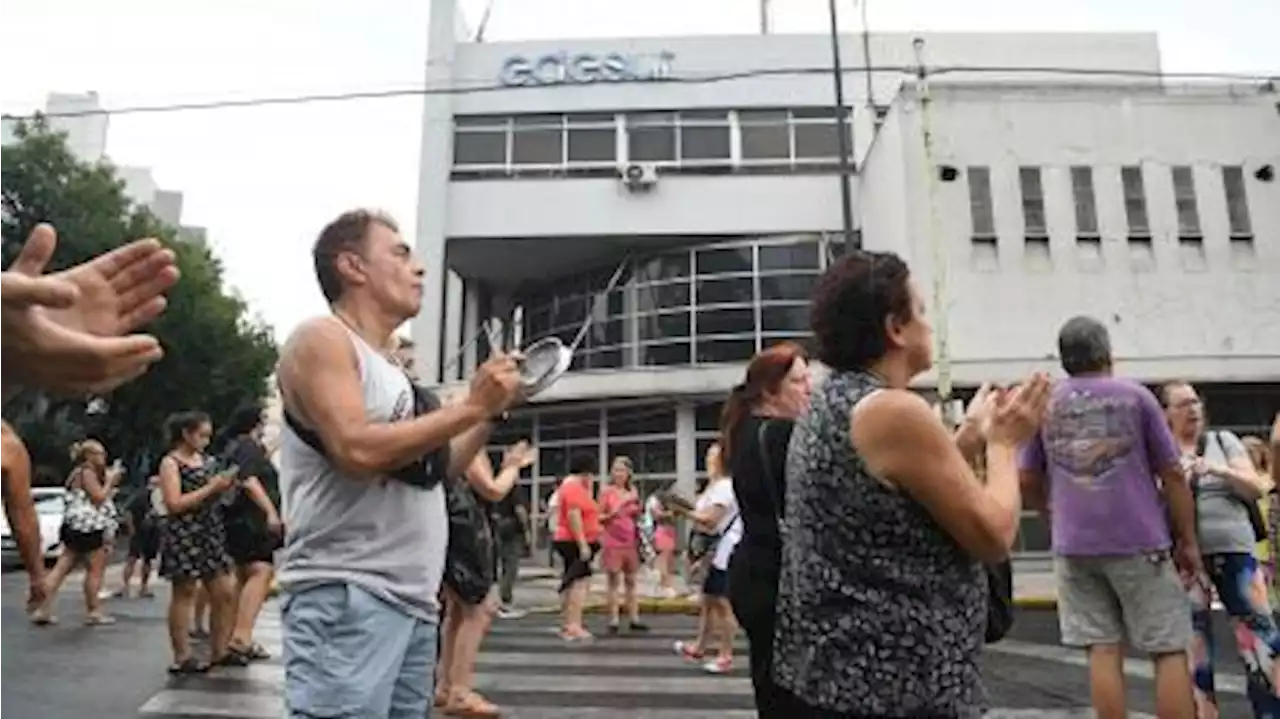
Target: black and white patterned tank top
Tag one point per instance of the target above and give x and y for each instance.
(880, 612)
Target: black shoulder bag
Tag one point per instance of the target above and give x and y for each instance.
(424, 473)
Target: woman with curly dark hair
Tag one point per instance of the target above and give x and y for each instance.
(882, 596)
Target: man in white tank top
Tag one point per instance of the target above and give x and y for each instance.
(364, 551)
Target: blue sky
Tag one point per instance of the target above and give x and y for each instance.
(264, 180)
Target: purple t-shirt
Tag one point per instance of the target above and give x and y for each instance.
(1100, 447)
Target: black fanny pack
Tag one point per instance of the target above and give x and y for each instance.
(424, 473)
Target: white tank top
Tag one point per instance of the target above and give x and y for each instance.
(387, 537)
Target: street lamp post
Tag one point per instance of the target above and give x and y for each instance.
(842, 128)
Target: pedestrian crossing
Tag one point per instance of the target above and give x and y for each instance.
(531, 674)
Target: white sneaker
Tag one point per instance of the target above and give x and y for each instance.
(511, 613)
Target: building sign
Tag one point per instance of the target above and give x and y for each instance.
(584, 68)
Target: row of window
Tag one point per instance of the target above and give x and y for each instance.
(799, 138)
(1031, 190)
(694, 306)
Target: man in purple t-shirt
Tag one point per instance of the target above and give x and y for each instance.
(1092, 470)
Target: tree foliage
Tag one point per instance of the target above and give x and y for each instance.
(216, 356)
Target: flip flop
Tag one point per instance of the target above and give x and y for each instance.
(233, 658)
(99, 620)
(257, 652)
(41, 618)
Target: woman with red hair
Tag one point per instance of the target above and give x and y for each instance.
(755, 428)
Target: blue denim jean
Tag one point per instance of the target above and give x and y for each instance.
(350, 655)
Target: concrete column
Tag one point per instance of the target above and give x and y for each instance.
(686, 450)
(435, 161)
(470, 326)
(453, 324)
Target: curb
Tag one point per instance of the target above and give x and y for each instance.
(686, 606)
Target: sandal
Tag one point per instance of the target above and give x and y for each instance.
(198, 633)
(190, 665)
(688, 651)
(442, 697)
(99, 620)
(233, 658)
(473, 706)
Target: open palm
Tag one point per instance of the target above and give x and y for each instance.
(66, 331)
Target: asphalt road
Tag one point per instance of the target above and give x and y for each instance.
(71, 671)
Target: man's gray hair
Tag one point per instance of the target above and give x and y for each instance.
(1084, 346)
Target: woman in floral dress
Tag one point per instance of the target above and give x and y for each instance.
(193, 542)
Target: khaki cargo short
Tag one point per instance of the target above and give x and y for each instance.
(1106, 600)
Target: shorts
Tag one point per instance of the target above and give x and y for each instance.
(716, 584)
(664, 538)
(348, 653)
(144, 544)
(576, 566)
(80, 543)
(250, 545)
(1104, 600)
(623, 559)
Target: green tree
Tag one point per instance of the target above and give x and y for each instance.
(216, 356)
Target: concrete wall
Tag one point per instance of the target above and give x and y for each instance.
(678, 205)
(1211, 321)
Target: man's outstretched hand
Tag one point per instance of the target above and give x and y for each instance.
(69, 332)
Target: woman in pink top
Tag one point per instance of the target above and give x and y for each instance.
(619, 508)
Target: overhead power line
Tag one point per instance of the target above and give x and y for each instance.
(1267, 82)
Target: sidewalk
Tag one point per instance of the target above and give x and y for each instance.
(538, 590)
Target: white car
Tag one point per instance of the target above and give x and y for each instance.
(50, 504)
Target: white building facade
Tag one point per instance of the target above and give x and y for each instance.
(733, 209)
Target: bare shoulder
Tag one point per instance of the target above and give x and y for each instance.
(890, 413)
(309, 336)
(316, 345)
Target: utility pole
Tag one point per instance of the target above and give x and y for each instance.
(866, 64)
(842, 128)
(941, 253)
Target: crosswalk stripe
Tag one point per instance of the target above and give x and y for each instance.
(529, 672)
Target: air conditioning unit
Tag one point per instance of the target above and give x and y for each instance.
(639, 176)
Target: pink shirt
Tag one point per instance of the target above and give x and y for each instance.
(620, 530)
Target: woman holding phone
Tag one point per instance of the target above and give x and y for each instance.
(193, 540)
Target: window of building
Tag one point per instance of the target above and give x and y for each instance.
(537, 140)
(706, 416)
(1086, 203)
(481, 140)
(731, 260)
(1135, 201)
(1239, 223)
(592, 138)
(816, 134)
(789, 256)
(643, 419)
(1033, 220)
(980, 211)
(651, 137)
(705, 136)
(766, 135)
(699, 140)
(718, 303)
(1184, 197)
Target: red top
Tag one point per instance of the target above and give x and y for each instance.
(575, 495)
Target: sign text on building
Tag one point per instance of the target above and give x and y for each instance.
(563, 68)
